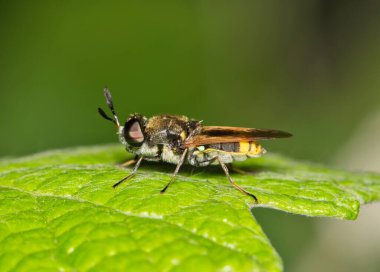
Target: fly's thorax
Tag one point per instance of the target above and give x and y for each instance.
(169, 130)
(148, 151)
(170, 155)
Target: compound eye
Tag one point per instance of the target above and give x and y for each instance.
(133, 133)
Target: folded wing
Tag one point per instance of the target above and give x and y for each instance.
(216, 134)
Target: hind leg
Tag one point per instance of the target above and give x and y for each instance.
(225, 169)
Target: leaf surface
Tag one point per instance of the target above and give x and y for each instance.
(58, 211)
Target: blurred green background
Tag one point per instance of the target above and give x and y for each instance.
(308, 67)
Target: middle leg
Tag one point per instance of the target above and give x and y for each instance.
(181, 160)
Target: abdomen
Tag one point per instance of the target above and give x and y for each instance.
(226, 152)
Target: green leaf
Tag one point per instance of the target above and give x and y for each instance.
(58, 211)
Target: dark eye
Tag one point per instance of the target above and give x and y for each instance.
(133, 133)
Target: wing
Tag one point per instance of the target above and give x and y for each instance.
(216, 134)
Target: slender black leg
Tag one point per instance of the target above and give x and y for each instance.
(131, 174)
(225, 169)
(181, 160)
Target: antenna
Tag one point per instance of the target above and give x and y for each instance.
(108, 97)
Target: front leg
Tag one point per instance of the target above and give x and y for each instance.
(130, 162)
(131, 174)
